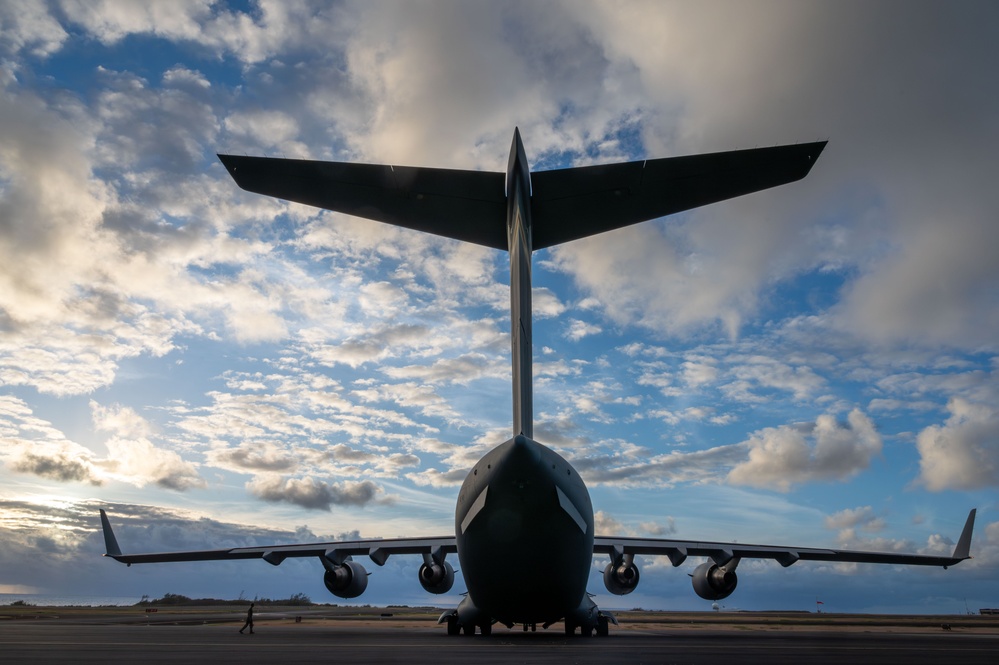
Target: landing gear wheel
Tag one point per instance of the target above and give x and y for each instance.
(570, 629)
(486, 629)
(603, 626)
(452, 626)
(469, 630)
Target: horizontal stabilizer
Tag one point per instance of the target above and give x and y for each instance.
(567, 204)
(464, 205)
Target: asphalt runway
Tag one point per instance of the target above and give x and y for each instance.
(109, 642)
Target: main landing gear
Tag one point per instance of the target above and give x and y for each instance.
(590, 624)
(601, 628)
(455, 628)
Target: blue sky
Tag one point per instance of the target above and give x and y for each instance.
(813, 366)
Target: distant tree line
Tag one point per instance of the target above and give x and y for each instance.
(178, 599)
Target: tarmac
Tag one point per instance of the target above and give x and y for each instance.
(213, 637)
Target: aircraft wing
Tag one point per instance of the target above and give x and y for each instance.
(567, 204)
(721, 553)
(377, 550)
(464, 205)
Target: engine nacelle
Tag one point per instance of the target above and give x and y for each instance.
(622, 579)
(437, 577)
(714, 582)
(348, 580)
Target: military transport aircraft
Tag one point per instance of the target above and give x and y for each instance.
(523, 525)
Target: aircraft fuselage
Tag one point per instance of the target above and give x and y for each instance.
(524, 521)
(524, 532)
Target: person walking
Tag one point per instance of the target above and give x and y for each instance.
(249, 620)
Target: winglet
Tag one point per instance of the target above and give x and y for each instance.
(110, 542)
(963, 549)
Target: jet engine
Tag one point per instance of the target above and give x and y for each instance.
(437, 577)
(346, 580)
(621, 578)
(714, 582)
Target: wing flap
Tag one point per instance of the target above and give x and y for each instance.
(464, 205)
(567, 204)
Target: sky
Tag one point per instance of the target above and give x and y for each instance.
(814, 365)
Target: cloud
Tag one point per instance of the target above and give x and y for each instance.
(780, 457)
(697, 373)
(462, 370)
(766, 372)
(963, 453)
(922, 271)
(30, 28)
(58, 466)
(605, 524)
(119, 420)
(312, 494)
(139, 462)
(631, 466)
(350, 460)
(132, 456)
(577, 330)
(432, 477)
(33, 445)
(109, 257)
(849, 519)
(252, 457)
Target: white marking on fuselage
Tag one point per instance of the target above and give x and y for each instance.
(570, 509)
(475, 509)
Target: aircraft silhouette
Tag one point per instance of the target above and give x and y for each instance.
(523, 526)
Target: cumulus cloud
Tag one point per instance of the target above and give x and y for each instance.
(461, 370)
(606, 525)
(766, 372)
(697, 373)
(963, 453)
(313, 494)
(84, 256)
(849, 520)
(632, 466)
(34, 445)
(432, 477)
(710, 269)
(577, 330)
(132, 456)
(252, 457)
(780, 457)
(58, 466)
(139, 462)
(349, 460)
(29, 27)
